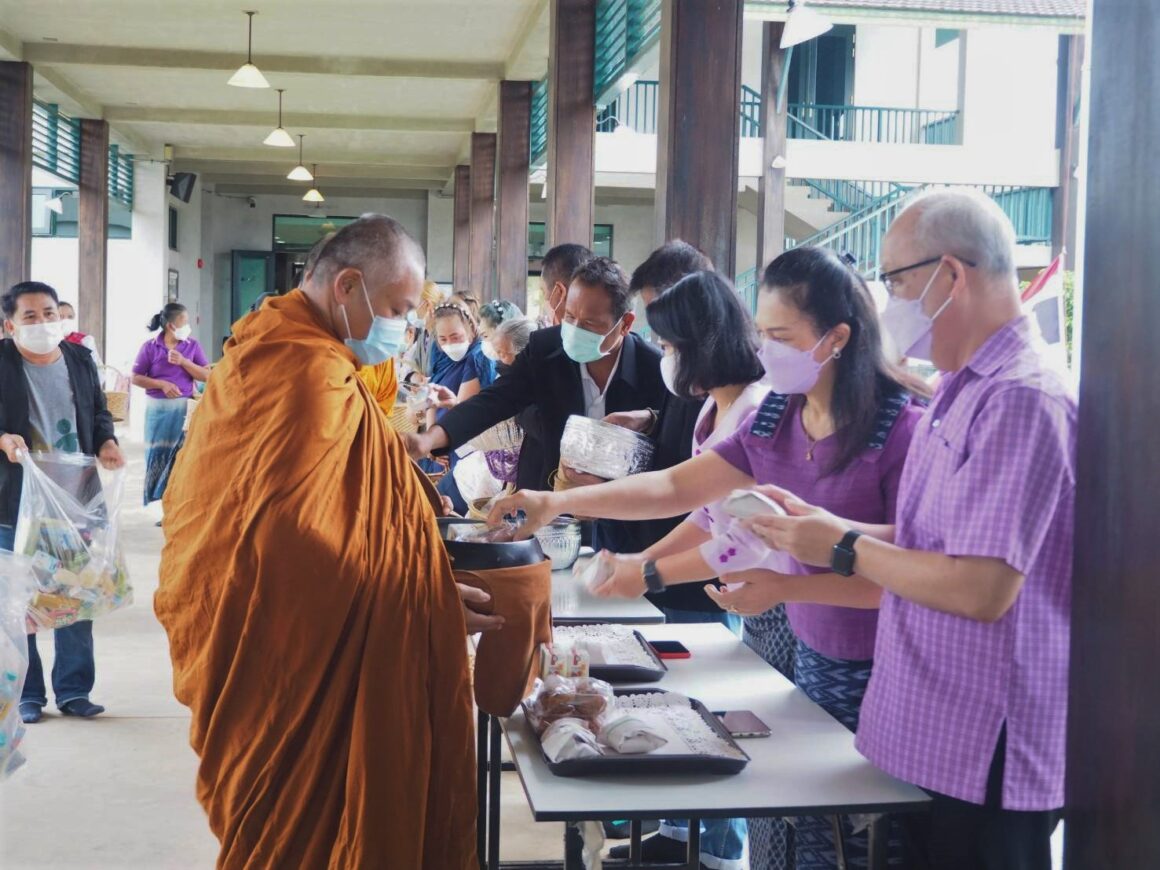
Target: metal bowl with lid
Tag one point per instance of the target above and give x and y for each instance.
(479, 556)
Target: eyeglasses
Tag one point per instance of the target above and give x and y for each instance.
(887, 278)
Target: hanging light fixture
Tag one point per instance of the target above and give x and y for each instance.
(803, 24)
(300, 172)
(56, 204)
(248, 75)
(314, 194)
(278, 137)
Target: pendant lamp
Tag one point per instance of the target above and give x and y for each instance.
(278, 137)
(300, 172)
(248, 75)
(803, 24)
(314, 194)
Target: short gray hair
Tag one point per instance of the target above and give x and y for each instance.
(964, 223)
(372, 241)
(518, 331)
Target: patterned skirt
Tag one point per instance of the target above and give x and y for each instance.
(769, 635)
(164, 424)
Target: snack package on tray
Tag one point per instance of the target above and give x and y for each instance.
(16, 590)
(68, 527)
(557, 697)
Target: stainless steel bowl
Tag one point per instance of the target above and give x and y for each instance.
(560, 541)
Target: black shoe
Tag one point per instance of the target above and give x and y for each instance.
(623, 830)
(82, 707)
(30, 713)
(655, 850)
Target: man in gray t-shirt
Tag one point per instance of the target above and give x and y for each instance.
(51, 408)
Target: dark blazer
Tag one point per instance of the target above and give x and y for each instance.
(545, 378)
(94, 422)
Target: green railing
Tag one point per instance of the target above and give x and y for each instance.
(636, 109)
(873, 124)
(538, 140)
(848, 196)
(750, 113)
(625, 30)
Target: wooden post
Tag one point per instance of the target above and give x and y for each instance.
(699, 126)
(771, 188)
(1068, 89)
(511, 235)
(483, 215)
(15, 173)
(571, 122)
(461, 230)
(1113, 758)
(93, 229)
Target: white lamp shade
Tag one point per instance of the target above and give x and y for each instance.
(313, 195)
(803, 25)
(300, 173)
(56, 204)
(279, 138)
(249, 76)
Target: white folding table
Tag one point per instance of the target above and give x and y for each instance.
(809, 765)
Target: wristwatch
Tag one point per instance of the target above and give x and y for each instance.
(652, 578)
(842, 560)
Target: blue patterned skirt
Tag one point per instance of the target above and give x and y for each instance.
(164, 422)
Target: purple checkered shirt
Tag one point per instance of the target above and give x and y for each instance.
(990, 472)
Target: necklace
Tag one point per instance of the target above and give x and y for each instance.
(811, 441)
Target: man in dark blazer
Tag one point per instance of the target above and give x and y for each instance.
(591, 365)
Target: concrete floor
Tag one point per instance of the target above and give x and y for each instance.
(116, 792)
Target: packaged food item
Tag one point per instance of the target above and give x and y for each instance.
(553, 661)
(596, 571)
(566, 739)
(480, 533)
(558, 698)
(68, 526)
(16, 589)
(628, 735)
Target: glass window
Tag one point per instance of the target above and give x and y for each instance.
(296, 232)
(538, 243)
(47, 223)
(172, 228)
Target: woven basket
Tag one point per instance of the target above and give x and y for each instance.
(506, 435)
(401, 419)
(116, 393)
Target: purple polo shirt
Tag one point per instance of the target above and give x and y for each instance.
(865, 490)
(991, 472)
(153, 362)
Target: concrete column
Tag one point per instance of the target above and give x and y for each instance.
(15, 173)
(93, 229)
(699, 126)
(511, 235)
(571, 122)
(771, 189)
(1114, 695)
(483, 215)
(461, 231)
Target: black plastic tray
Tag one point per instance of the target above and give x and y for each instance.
(620, 765)
(632, 673)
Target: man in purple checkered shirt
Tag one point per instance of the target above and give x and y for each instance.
(968, 697)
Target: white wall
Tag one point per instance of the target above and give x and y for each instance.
(885, 66)
(440, 236)
(1010, 90)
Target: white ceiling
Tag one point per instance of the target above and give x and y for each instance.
(386, 92)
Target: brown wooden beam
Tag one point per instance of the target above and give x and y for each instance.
(511, 233)
(771, 188)
(699, 126)
(483, 215)
(93, 229)
(461, 231)
(1068, 89)
(571, 122)
(1113, 754)
(15, 173)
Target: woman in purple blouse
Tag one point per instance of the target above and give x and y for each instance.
(166, 368)
(835, 430)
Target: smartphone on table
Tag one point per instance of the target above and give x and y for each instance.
(743, 723)
(670, 649)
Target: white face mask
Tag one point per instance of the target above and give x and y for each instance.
(909, 325)
(670, 365)
(456, 351)
(181, 333)
(69, 325)
(40, 338)
(488, 350)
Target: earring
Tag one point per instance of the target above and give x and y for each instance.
(837, 353)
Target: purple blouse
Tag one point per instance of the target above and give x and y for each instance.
(153, 362)
(865, 490)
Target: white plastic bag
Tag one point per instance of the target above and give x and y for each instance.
(16, 589)
(68, 526)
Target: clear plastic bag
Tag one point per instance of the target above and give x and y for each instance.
(557, 697)
(16, 590)
(68, 526)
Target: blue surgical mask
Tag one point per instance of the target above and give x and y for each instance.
(582, 345)
(383, 341)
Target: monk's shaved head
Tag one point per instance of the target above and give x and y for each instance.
(375, 244)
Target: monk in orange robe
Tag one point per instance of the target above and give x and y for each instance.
(316, 631)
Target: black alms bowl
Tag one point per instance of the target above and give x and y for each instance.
(469, 556)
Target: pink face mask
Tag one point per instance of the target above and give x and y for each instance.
(790, 371)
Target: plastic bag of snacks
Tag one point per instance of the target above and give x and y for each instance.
(68, 527)
(559, 697)
(16, 589)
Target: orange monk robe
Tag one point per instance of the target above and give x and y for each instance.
(316, 632)
(383, 384)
